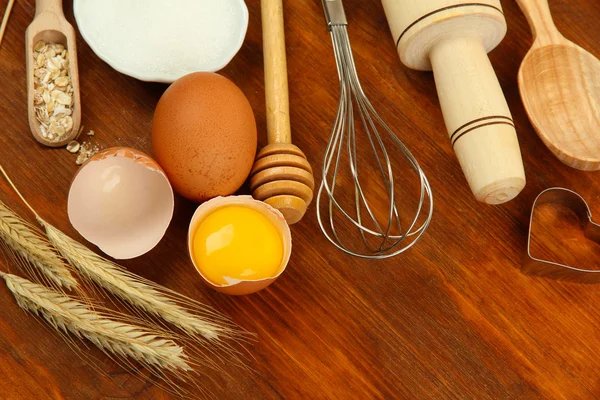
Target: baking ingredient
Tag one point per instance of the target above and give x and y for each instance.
(122, 201)
(239, 245)
(86, 151)
(194, 318)
(183, 312)
(165, 39)
(120, 339)
(118, 334)
(73, 146)
(31, 250)
(204, 136)
(53, 99)
(236, 243)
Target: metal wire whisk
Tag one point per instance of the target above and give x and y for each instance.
(390, 238)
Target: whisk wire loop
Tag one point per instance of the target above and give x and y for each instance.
(354, 101)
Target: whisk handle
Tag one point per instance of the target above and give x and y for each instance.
(479, 122)
(276, 80)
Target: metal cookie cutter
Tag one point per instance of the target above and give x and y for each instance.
(549, 269)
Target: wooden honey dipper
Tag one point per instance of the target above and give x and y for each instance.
(281, 176)
(50, 25)
(452, 38)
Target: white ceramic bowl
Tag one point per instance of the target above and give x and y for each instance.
(163, 40)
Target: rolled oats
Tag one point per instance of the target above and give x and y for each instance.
(53, 98)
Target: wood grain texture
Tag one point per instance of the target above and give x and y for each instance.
(451, 318)
(561, 91)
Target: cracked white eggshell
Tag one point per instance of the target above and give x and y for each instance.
(121, 201)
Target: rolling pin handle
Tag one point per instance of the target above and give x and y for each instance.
(478, 119)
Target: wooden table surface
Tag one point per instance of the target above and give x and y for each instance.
(452, 318)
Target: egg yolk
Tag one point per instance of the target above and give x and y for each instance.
(237, 243)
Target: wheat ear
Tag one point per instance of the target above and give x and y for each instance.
(121, 339)
(137, 291)
(33, 249)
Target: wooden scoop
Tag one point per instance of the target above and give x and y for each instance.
(281, 176)
(50, 25)
(560, 87)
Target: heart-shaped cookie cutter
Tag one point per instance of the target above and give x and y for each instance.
(550, 269)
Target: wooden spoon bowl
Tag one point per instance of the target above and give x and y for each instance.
(283, 178)
(560, 89)
(50, 25)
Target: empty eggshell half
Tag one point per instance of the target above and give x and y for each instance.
(121, 201)
(242, 287)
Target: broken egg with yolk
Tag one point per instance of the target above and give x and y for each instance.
(239, 245)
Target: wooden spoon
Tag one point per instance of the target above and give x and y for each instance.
(560, 87)
(281, 176)
(50, 25)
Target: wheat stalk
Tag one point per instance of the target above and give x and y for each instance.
(33, 248)
(137, 291)
(150, 300)
(121, 339)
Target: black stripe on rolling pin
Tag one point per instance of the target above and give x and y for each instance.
(457, 131)
(444, 9)
(481, 126)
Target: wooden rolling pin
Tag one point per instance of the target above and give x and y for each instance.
(281, 176)
(50, 25)
(452, 38)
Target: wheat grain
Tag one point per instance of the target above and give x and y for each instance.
(119, 338)
(139, 292)
(33, 249)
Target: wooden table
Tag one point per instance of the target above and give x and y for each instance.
(452, 318)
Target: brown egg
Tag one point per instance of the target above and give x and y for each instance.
(204, 136)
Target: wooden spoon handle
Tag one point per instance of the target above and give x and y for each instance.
(276, 81)
(540, 20)
(52, 6)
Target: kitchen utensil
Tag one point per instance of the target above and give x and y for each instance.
(50, 25)
(344, 136)
(9, 7)
(536, 266)
(163, 40)
(452, 38)
(560, 87)
(281, 176)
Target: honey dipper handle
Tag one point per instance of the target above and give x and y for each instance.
(540, 20)
(52, 6)
(276, 80)
(478, 119)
